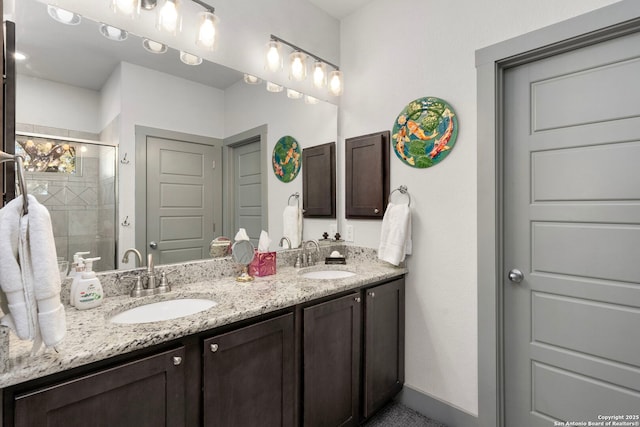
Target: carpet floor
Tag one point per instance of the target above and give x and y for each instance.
(396, 414)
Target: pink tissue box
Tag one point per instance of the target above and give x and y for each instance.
(263, 264)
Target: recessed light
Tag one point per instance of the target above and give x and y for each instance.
(189, 58)
(153, 46)
(272, 87)
(63, 16)
(113, 33)
(252, 80)
(294, 94)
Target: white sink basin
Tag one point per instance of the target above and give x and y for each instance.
(164, 310)
(327, 274)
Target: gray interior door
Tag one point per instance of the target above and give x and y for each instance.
(572, 227)
(183, 198)
(248, 189)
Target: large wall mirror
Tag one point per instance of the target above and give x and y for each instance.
(201, 126)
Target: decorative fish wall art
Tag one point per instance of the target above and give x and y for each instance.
(425, 132)
(286, 159)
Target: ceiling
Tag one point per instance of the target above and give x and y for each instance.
(339, 8)
(80, 56)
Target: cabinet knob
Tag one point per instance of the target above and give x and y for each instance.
(177, 360)
(357, 299)
(214, 348)
(376, 210)
(372, 294)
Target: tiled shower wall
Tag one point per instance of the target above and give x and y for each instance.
(82, 206)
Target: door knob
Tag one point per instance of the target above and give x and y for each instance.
(153, 245)
(213, 348)
(177, 360)
(516, 276)
(376, 210)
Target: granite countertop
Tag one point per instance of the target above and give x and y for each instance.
(91, 337)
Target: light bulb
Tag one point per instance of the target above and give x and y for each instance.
(274, 58)
(319, 74)
(126, 7)
(169, 17)
(207, 31)
(298, 66)
(335, 83)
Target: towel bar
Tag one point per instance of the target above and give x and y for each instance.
(6, 157)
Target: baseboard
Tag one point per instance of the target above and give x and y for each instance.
(436, 409)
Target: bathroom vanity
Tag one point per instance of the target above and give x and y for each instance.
(285, 350)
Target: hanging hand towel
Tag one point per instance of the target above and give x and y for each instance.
(29, 274)
(292, 227)
(19, 305)
(395, 235)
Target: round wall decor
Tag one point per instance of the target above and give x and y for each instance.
(286, 159)
(425, 132)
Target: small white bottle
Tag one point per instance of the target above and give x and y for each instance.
(77, 276)
(88, 293)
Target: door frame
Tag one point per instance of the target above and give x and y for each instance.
(590, 28)
(142, 132)
(258, 133)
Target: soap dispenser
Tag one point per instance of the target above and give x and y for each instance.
(74, 265)
(88, 293)
(78, 269)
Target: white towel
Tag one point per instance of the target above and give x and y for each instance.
(29, 274)
(395, 235)
(292, 225)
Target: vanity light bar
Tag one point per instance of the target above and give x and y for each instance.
(296, 48)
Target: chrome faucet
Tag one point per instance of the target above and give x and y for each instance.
(145, 283)
(151, 273)
(125, 257)
(283, 239)
(307, 258)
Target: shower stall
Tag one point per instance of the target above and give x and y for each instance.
(77, 181)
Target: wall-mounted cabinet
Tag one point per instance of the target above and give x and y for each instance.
(319, 181)
(367, 175)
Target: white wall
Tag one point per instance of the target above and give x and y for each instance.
(395, 51)
(52, 104)
(247, 107)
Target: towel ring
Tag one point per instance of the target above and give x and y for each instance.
(297, 197)
(403, 190)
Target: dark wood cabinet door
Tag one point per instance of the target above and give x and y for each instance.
(367, 175)
(147, 392)
(384, 344)
(331, 358)
(319, 181)
(248, 377)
